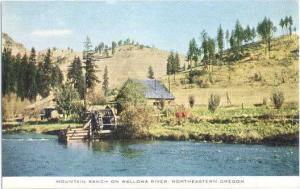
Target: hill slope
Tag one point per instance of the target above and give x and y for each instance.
(132, 62)
(129, 61)
(246, 81)
(249, 80)
(16, 47)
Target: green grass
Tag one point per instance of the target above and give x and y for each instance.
(38, 127)
(233, 125)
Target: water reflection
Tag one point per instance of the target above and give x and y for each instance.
(103, 146)
(126, 148)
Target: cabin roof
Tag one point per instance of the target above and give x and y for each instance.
(156, 90)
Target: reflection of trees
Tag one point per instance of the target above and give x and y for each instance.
(103, 146)
(126, 148)
(128, 152)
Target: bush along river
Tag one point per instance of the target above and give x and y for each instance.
(42, 155)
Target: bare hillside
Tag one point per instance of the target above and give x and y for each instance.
(132, 62)
(16, 47)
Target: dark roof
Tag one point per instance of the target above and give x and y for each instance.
(155, 90)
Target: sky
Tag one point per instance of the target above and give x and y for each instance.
(168, 25)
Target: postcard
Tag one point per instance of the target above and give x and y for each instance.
(150, 94)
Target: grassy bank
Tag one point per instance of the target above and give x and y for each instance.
(38, 127)
(251, 125)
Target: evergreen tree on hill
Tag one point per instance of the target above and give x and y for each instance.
(90, 67)
(44, 75)
(20, 79)
(75, 76)
(7, 71)
(31, 75)
(266, 30)
(192, 54)
(220, 40)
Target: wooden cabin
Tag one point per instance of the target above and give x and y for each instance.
(155, 91)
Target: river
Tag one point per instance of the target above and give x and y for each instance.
(43, 155)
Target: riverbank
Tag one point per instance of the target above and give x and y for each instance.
(248, 125)
(36, 127)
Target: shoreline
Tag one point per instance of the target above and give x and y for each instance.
(291, 139)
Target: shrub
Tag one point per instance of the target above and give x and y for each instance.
(194, 73)
(213, 102)
(12, 106)
(96, 98)
(265, 101)
(277, 98)
(191, 101)
(131, 93)
(257, 77)
(67, 100)
(203, 83)
(135, 121)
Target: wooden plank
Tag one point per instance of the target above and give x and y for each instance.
(105, 131)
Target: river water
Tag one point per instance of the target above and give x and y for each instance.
(43, 155)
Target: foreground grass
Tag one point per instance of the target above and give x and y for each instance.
(252, 125)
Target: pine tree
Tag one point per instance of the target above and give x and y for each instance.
(57, 77)
(253, 34)
(239, 35)
(169, 67)
(90, 67)
(105, 81)
(234, 45)
(266, 31)
(7, 71)
(282, 24)
(20, 79)
(177, 63)
(150, 72)
(204, 47)
(113, 47)
(75, 76)
(31, 75)
(220, 39)
(211, 49)
(286, 22)
(101, 47)
(44, 75)
(247, 34)
(120, 43)
(170, 61)
(192, 54)
(227, 36)
(290, 21)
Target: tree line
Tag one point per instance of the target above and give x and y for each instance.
(212, 49)
(106, 49)
(26, 77)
